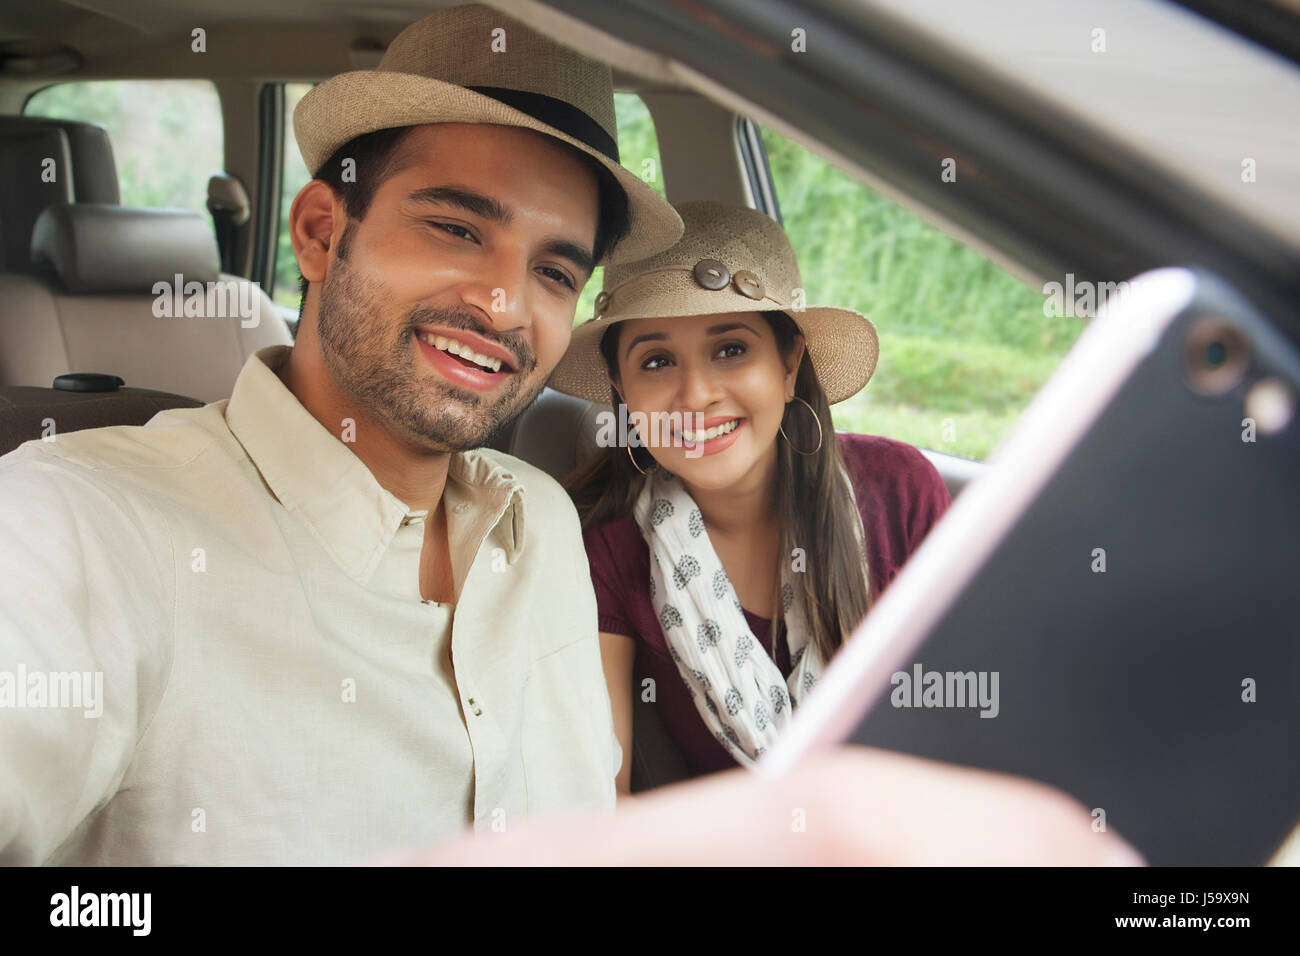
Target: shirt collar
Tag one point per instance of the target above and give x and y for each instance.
(316, 477)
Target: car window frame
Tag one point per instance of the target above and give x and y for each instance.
(1118, 217)
(270, 178)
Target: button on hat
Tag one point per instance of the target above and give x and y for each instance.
(711, 274)
(748, 284)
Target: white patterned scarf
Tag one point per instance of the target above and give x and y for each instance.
(735, 685)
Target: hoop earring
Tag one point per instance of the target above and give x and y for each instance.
(631, 456)
(781, 429)
(628, 445)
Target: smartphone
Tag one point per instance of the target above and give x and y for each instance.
(1113, 608)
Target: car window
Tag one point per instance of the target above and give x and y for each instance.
(964, 345)
(638, 149)
(284, 289)
(166, 134)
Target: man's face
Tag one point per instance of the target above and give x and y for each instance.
(478, 245)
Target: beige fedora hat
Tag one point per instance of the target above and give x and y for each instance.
(472, 64)
(731, 259)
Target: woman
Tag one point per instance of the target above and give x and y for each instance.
(743, 545)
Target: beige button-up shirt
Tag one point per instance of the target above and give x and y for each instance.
(272, 687)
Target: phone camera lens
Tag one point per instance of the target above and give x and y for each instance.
(1215, 356)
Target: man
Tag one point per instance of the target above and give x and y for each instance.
(325, 624)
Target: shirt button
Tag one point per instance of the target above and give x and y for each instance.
(475, 709)
(461, 508)
(412, 519)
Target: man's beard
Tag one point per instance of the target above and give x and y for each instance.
(382, 378)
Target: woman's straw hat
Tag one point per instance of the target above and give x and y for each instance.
(472, 64)
(731, 259)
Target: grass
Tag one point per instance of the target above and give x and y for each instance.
(964, 346)
(966, 434)
(961, 377)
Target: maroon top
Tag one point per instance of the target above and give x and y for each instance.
(900, 495)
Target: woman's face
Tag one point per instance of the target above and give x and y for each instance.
(725, 368)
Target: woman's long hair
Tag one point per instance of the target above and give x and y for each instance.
(834, 584)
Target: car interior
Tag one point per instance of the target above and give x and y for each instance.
(77, 266)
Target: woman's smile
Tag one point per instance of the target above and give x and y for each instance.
(713, 440)
(706, 438)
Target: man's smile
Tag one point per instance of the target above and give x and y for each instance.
(465, 366)
(468, 347)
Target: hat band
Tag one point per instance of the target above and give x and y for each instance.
(565, 117)
(604, 300)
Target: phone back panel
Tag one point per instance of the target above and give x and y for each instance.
(1163, 691)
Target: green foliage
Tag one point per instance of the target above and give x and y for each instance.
(937, 373)
(960, 338)
(973, 434)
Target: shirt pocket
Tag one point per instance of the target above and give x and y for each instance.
(567, 731)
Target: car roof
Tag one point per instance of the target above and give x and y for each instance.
(288, 40)
(1182, 92)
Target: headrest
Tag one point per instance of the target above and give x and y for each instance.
(97, 248)
(227, 194)
(94, 174)
(35, 165)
